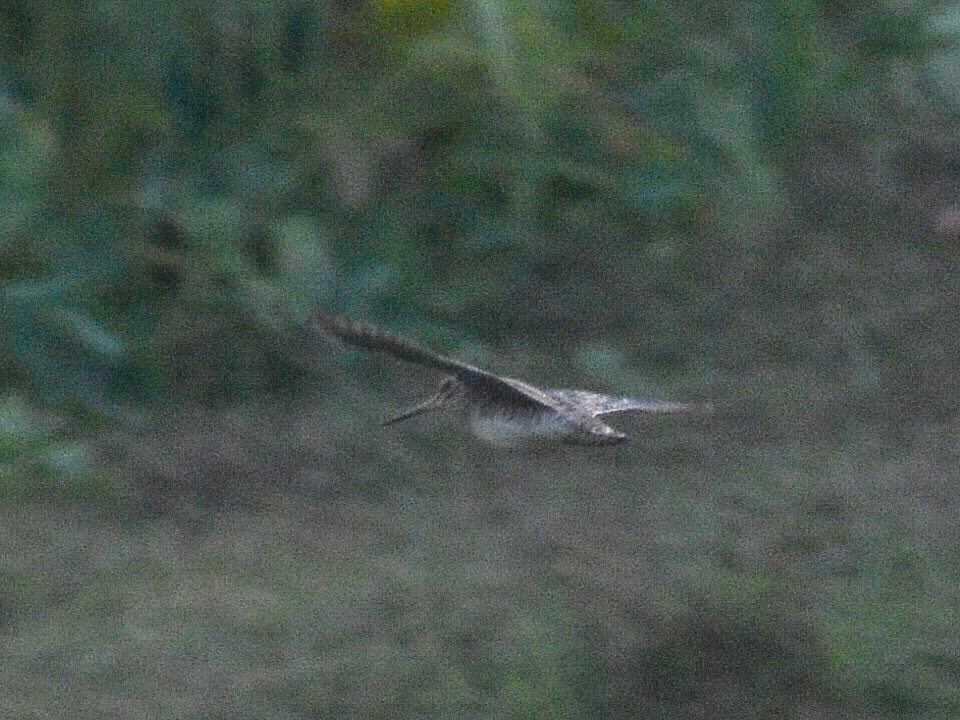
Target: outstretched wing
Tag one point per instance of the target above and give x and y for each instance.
(369, 338)
(600, 404)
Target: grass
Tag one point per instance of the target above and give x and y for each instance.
(756, 582)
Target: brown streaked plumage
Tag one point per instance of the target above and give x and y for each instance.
(504, 411)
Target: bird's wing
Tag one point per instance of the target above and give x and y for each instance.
(600, 404)
(369, 338)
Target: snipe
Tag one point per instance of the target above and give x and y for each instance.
(501, 410)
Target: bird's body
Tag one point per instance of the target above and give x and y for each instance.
(504, 411)
(547, 421)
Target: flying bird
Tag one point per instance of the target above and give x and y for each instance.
(504, 411)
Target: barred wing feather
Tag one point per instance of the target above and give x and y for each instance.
(600, 404)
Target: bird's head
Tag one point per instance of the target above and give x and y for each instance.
(449, 393)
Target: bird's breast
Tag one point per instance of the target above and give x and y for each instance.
(514, 430)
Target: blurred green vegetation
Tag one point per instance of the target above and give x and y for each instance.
(749, 202)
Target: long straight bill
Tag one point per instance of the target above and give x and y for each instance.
(434, 403)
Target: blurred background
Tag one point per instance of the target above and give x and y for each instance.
(744, 202)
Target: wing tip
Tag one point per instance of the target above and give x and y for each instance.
(330, 323)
